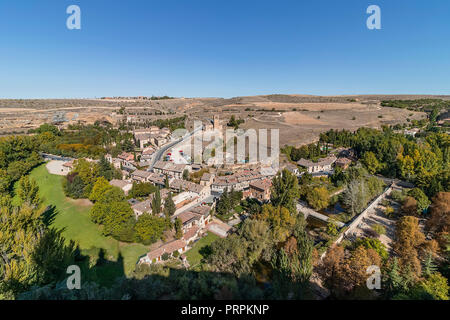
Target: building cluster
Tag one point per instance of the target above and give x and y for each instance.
(194, 223)
(153, 136)
(324, 166)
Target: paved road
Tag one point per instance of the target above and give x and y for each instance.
(160, 152)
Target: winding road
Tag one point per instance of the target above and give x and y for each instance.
(160, 152)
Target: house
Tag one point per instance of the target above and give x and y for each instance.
(268, 171)
(184, 198)
(207, 179)
(127, 161)
(158, 179)
(140, 175)
(323, 165)
(190, 219)
(67, 167)
(169, 168)
(198, 216)
(125, 156)
(343, 163)
(260, 189)
(192, 234)
(180, 185)
(238, 181)
(144, 139)
(292, 168)
(160, 140)
(169, 248)
(125, 185)
(142, 207)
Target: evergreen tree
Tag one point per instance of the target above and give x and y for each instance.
(429, 266)
(169, 206)
(166, 182)
(178, 228)
(156, 203)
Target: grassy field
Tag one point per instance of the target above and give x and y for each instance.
(193, 255)
(72, 216)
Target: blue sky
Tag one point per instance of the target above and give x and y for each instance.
(218, 48)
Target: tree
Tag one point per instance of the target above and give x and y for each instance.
(280, 219)
(149, 228)
(166, 182)
(169, 206)
(156, 203)
(141, 190)
(74, 186)
(186, 175)
(435, 286)
(100, 187)
(225, 203)
(355, 197)
(107, 170)
(439, 223)
(408, 240)
(178, 228)
(409, 207)
(119, 214)
(31, 254)
(332, 228)
(28, 191)
(318, 198)
(285, 191)
(422, 200)
(371, 162)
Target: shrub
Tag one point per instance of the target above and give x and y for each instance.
(397, 196)
(165, 256)
(389, 211)
(378, 228)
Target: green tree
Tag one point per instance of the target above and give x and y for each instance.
(141, 190)
(101, 186)
(422, 200)
(169, 206)
(166, 182)
(178, 228)
(28, 191)
(185, 175)
(156, 203)
(318, 198)
(149, 228)
(119, 214)
(371, 162)
(285, 191)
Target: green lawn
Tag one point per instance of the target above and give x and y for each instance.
(193, 255)
(73, 218)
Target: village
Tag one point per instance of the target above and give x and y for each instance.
(195, 187)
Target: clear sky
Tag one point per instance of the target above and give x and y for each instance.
(222, 48)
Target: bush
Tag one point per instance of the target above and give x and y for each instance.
(389, 212)
(378, 228)
(165, 256)
(397, 196)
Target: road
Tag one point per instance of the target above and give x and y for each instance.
(160, 152)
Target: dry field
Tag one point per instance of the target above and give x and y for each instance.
(300, 118)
